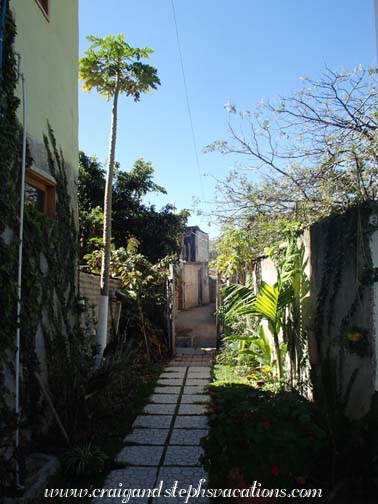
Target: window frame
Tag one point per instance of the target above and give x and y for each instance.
(44, 5)
(47, 186)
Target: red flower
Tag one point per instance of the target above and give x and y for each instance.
(260, 383)
(266, 423)
(275, 470)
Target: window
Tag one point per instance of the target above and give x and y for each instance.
(44, 5)
(40, 192)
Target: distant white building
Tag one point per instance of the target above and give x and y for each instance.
(193, 273)
(196, 245)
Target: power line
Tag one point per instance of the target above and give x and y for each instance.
(187, 99)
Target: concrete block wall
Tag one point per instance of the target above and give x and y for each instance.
(193, 284)
(342, 304)
(89, 286)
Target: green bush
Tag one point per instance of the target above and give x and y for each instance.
(86, 460)
(269, 438)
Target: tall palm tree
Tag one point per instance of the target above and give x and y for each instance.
(112, 67)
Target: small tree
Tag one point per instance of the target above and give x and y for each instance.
(112, 67)
(304, 156)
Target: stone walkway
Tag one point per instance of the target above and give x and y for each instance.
(164, 444)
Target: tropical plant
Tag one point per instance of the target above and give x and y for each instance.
(268, 304)
(293, 265)
(86, 460)
(143, 283)
(279, 305)
(112, 67)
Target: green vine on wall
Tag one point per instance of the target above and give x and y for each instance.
(50, 306)
(344, 326)
(52, 342)
(10, 158)
(348, 237)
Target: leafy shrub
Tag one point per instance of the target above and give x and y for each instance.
(86, 460)
(273, 439)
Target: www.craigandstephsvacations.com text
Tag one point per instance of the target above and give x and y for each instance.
(185, 493)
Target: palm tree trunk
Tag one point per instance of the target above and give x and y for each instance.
(102, 325)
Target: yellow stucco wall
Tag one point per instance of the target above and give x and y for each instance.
(49, 58)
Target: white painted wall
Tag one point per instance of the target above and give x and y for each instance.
(192, 274)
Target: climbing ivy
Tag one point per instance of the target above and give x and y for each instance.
(347, 252)
(50, 303)
(10, 158)
(50, 313)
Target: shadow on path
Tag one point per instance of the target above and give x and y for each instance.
(196, 328)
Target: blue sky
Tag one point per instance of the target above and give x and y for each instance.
(233, 50)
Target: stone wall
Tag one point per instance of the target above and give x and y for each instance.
(89, 286)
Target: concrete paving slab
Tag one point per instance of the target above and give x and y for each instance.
(131, 478)
(194, 389)
(140, 455)
(195, 382)
(191, 422)
(173, 382)
(167, 390)
(182, 456)
(187, 436)
(164, 398)
(194, 398)
(172, 376)
(160, 409)
(147, 436)
(175, 369)
(153, 421)
(185, 476)
(200, 374)
(192, 409)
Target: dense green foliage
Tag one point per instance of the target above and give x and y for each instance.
(144, 300)
(257, 435)
(279, 306)
(285, 441)
(115, 396)
(54, 277)
(159, 233)
(10, 157)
